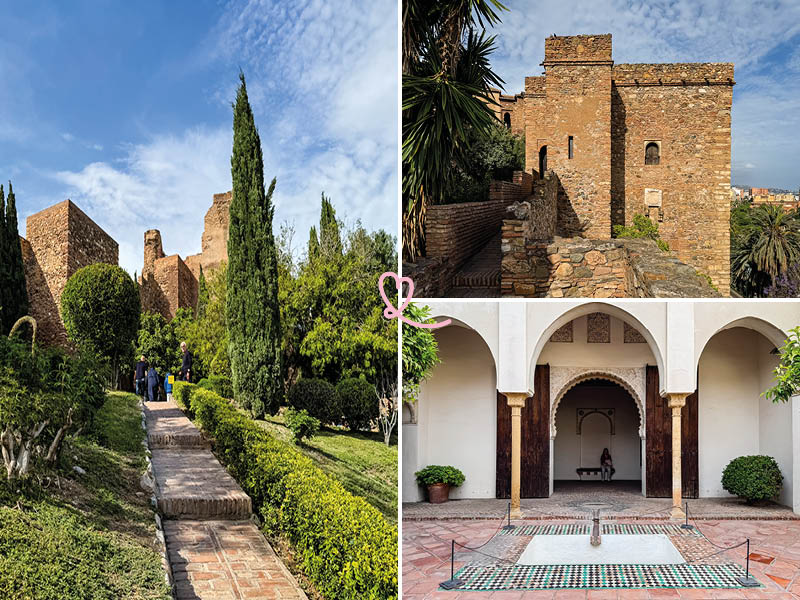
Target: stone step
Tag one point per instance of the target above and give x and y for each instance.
(191, 484)
(168, 427)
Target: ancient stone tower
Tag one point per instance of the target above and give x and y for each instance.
(58, 241)
(168, 282)
(626, 139)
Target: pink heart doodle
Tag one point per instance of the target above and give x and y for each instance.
(390, 312)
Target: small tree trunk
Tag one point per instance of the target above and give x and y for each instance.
(9, 460)
(55, 446)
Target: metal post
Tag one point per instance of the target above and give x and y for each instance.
(748, 581)
(451, 583)
(508, 527)
(686, 510)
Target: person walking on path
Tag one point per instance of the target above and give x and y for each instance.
(606, 464)
(140, 377)
(186, 365)
(152, 384)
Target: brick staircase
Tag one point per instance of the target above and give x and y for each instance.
(480, 275)
(214, 547)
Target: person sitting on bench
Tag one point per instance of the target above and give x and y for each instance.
(605, 465)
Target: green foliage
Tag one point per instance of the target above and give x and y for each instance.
(765, 244)
(420, 351)
(787, 373)
(342, 544)
(91, 536)
(207, 334)
(331, 312)
(642, 227)
(753, 478)
(302, 425)
(359, 403)
(220, 384)
(447, 78)
(202, 295)
(159, 342)
(100, 307)
(13, 290)
(318, 398)
(433, 474)
(252, 312)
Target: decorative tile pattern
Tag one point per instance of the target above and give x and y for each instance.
(536, 577)
(631, 335)
(669, 529)
(598, 328)
(562, 334)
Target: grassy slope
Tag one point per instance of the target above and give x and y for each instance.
(85, 536)
(360, 461)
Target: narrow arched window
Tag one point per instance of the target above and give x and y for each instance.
(507, 120)
(652, 154)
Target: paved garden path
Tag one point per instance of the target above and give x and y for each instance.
(215, 550)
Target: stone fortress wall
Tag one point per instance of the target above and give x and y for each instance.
(58, 241)
(590, 121)
(168, 283)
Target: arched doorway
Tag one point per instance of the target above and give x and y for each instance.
(594, 414)
(542, 161)
(507, 120)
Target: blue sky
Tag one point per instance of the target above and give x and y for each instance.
(126, 109)
(761, 38)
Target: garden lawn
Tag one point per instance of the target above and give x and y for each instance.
(85, 536)
(364, 465)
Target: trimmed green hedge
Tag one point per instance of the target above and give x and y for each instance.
(755, 478)
(344, 545)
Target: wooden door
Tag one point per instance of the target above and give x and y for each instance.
(659, 442)
(535, 441)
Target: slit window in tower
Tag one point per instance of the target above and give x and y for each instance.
(571, 149)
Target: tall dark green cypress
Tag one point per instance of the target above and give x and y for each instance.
(4, 262)
(202, 295)
(15, 294)
(253, 313)
(329, 238)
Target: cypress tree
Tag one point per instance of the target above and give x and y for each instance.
(252, 310)
(202, 295)
(329, 237)
(313, 244)
(4, 263)
(15, 296)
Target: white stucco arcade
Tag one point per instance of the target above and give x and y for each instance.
(723, 349)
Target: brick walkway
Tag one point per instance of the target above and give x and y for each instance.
(224, 556)
(480, 275)
(774, 561)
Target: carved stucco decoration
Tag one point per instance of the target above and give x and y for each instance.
(563, 333)
(598, 326)
(632, 335)
(563, 379)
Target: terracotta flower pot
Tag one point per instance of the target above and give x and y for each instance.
(438, 493)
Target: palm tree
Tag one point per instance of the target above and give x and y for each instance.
(767, 247)
(446, 93)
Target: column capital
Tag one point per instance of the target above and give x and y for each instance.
(515, 399)
(677, 400)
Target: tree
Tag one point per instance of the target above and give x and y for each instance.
(100, 307)
(446, 94)
(767, 246)
(787, 373)
(420, 354)
(202, 294)
(253, 313)
(207, 335)
(13, 290)
(330, 240)
(159, 342)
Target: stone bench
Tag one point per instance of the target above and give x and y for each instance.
(581, 471)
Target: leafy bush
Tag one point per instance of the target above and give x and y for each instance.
(317, 397)
(358, 402)
(753, 478)
(222, 385)
(343, 544)
(433, 474)
(642, 227)
(302, 425)
(100, 307)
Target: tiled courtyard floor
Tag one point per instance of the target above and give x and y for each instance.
(774, 553)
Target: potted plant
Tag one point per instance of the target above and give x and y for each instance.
(439, 480)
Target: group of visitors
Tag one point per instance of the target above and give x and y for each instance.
(151, 386)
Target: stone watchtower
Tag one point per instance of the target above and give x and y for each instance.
(626, 139)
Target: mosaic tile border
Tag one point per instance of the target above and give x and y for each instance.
(606, 529)
(538, 577)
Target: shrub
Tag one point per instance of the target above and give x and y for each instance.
(222, 385)
(433, 474)
(343, 544)
(302, 425)
(642, 227)
(317, 397)
(101, 308)
(358, 402)
(753, 478)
